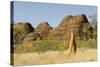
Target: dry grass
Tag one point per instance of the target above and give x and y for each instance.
(52, 57)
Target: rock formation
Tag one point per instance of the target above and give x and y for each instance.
(20, 30)
(78, 23)
(43, 29)
(32, 37)
(24, 32)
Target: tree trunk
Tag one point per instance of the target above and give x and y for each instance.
(72, 44)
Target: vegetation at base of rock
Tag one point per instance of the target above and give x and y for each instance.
(91, 43)
(47, 45)
(44, 37)
(40, 46)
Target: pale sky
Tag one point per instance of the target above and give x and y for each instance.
(34, 12)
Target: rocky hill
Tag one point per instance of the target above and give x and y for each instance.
(20, 30)
(79, 24)
(40, 32)
(24, 32)
(43, 29)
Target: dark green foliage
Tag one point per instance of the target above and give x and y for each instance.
(20, 30)
(86, 32)
(93, 20)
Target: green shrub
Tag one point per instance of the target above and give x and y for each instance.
(52, 45)
(44, 45)
(40, 46)
(91, 43)
(21, 48)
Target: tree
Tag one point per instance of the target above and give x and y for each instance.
(93, 20)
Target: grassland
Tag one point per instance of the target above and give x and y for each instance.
(52, 57)
(51, 52)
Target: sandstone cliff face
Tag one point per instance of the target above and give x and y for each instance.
(79, 24)
(43, 29)
(24, 32)
(40, 32)
(32, 37)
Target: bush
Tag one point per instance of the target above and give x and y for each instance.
(40, 46)
(91, 43)
(21, 48)
(46, 45)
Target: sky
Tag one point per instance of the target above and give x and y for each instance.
(35, 13)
